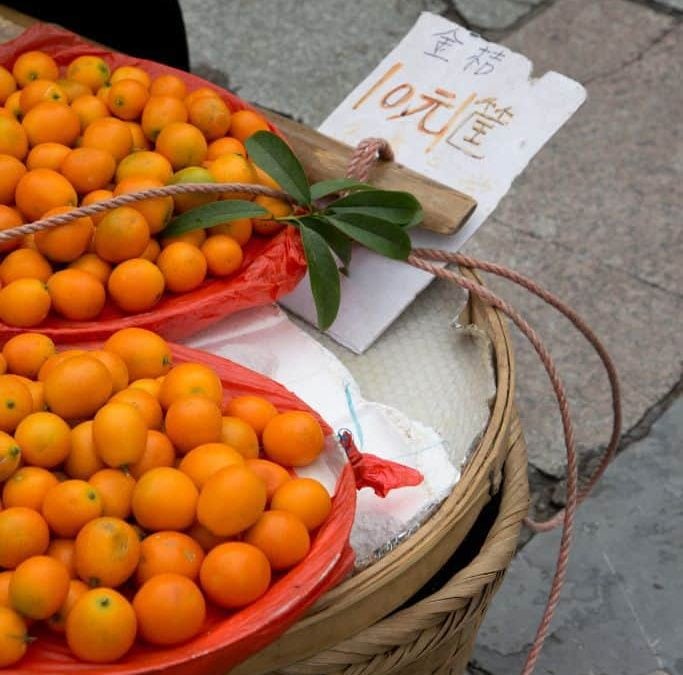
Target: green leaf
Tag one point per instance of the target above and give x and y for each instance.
(330, 187)
(336, 240)
(273, 155)
(323, 276)
(400, 208)
(378, 235)
(213, 214)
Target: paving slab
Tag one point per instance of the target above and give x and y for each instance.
(676, 5)
(585, 40)
(620, 611)
(609, 184)
(594, 218)
(492, 14)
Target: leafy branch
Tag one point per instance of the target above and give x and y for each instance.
(375, 219)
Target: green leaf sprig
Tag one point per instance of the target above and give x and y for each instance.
(375, 219)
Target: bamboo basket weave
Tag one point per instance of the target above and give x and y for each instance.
(355, 629)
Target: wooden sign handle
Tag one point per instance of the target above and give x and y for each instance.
(445, 210)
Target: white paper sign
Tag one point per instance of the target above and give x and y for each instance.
(461, 110)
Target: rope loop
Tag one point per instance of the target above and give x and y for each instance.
(365, 154)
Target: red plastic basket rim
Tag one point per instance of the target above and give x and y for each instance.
(272, 267)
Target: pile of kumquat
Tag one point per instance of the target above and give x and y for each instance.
(84, 135)
(133, 495)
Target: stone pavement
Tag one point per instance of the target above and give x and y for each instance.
(621, 610)
(596, 218)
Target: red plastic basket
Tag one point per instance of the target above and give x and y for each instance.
(271, 269)
(228, 638)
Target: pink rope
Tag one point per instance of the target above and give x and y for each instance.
(132, 197)
(359, 167)
(365, 155)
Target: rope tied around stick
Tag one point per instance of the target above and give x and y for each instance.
(364, 156)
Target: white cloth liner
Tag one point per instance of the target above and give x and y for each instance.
(265, 340)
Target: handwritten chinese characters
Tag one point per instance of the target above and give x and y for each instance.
(462, 121)
(431, 105)
(469, 135)
(444, 42)
(482, 62)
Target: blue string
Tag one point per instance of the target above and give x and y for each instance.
(354, 417)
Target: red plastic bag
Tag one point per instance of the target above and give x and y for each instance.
(272, 267)
(230, 637)
(381, 475)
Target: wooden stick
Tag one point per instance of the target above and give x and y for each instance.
(445, 210)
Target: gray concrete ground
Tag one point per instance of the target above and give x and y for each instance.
(621, 610)
(596, 218)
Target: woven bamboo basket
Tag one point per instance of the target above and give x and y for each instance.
(373, 623)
